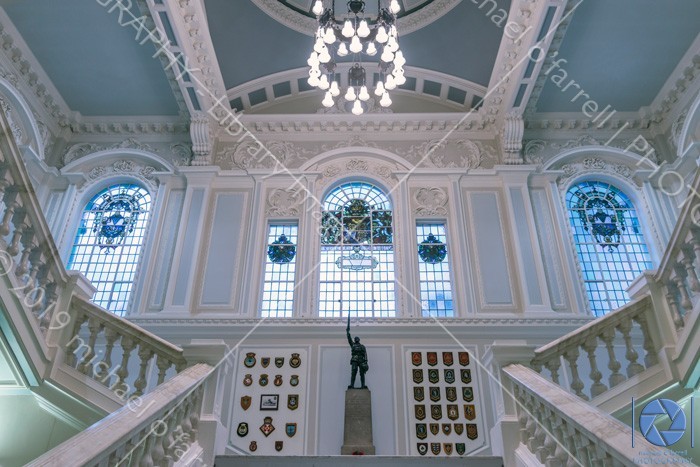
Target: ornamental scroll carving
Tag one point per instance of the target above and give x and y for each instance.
(430, 202)
(357, 166)
(284, 203)
(145, 173)
(83, 149)
(593, 164)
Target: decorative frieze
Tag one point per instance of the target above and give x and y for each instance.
(356, 167)
(538, 151)
(430, 202)
(80, 150)
(284, 203)
(145, 173)
(593, 164)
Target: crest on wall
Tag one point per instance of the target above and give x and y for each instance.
(422, 448)
(279, 362)
(459, 428)
(435, 448)
(461, 448)
(245, 402)
(265, 362)
(278, 380)
(452, 412)
(468, 394)
(447, 358)
(434, 393)
(242, 429)
(293, 401)
(267, 428)
(253, 446)
(451, 393)
(432, 358)
(294, 380)
(417, 376)
(447, 428)
(249, 360)
(435, 428)
(449, 376)
(418, 393)
(472, 432)
(421, 431)
(469, 411)
(419, 412)
(433, 376)
(247, 380)
(448, 448)
(263, 380)
(436, 412)
(279, 445)
(290, 429)
(295, 361)
(464, 358)
(416, 358)
(466, 376)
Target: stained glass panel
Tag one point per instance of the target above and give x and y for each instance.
(609, 243)
(434, 270)
(280, 270)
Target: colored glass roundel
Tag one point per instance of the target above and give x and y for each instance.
(282, 250)
(601, 210)
(116, 213)
(431, 250)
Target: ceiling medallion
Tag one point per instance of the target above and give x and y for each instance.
(360, 37)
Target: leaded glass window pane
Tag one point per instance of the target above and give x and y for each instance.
(357, 253)
(280, 268)
(108, 244)
(434, 270)
(609, 243)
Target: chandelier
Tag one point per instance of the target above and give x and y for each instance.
(356, 35)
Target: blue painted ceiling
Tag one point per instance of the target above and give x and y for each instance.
(96, 64)
(621, 52)
(249, 44)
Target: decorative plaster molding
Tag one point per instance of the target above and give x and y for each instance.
(430, 202)
(447, 154)
(677, 129)
(335, 170)
(252, 154)
(512, 139)
(594, 165)
(538, 151)
(145, 173)
(135, 126)
(79, 150)
(182, 153)
(201, 135)
(307, 25)
(284, 203)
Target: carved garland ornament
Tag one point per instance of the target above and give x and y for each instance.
(356, 166)
(284, 203)
(593, 164)
(430, 202)
(145, 173)
(83, 149)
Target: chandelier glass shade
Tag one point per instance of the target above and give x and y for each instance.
(355, 35)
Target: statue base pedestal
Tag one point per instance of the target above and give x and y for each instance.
(358, 423)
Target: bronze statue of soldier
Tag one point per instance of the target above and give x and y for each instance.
(358, 361)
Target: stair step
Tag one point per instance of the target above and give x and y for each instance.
(351, 461)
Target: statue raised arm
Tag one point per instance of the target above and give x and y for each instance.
(358, 360)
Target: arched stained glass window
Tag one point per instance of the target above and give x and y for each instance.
(357, 253)
(609, 242)
(108, 244)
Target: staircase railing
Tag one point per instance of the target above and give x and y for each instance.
(69, 331)
(562, 430)
(161, 430)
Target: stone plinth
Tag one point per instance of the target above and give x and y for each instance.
(358, 422)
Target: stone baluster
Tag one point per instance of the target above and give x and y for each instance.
(146, 460)
(11, 204)
(537, 366)
(14, 247)
(614, 365)
(163, 365)
(105, 365)
(522, 422)
(128, 346)
(553, 366)
(50, 300)
(671, 292)
(631, 355)
(37, 261)
(695, 242)
(74, 343)
(94, 327)
(168, 441)
(650, 357)
(29, 245)
(590, 346)
(145, 354)
(679, 279)
(687, 258)
(571, 356)
(538, 441)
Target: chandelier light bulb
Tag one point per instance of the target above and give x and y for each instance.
(379, 90)
(363, 30)
(357, 108)
(329, 36)
(313, 60)
(392, 31)
(342, 49)
(382, 36)
(324, 57)
(391, 44)
(399, 59)
(363, 95)
(328, 100)
(318, 8)
(313, 80)
(387, 56)
(355, 45)
(319, 45)
(323, 82)
(390, 83)
(350, 95)
(394, 6)
(348, 30)
(371, 49)
(335, 90)
(385, 101)
(400, 80)
(315, 71)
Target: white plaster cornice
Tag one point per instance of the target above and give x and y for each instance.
(306, 25)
